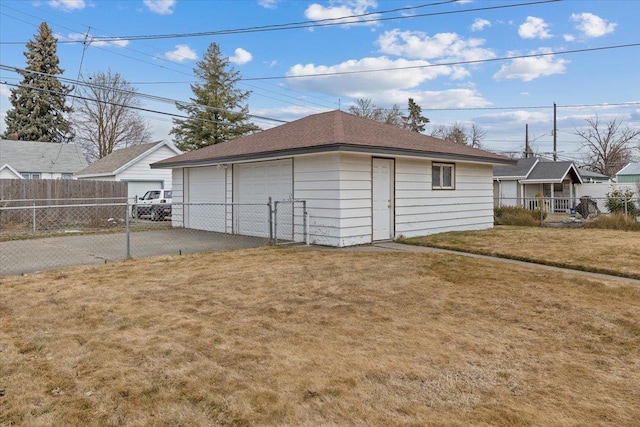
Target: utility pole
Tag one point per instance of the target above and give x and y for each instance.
(555, 134)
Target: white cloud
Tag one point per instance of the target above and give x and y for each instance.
(569, 37)
(268, 4)
(449, 46)
(517, 117)
(451, 98)
(4, 90)
(527, 69)
(98, 43)
(364, 84)
(480, 24)
(534, 28)
(342, 9)
(591, 25)
(181, 53)
(240, 56)
(162, 7)
(67, 5)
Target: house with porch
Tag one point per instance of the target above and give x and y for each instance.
(534, 179)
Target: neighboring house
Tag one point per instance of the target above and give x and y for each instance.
(39, 160)
(362, 181)
(132, 166)
(530, 178)
(595, 186)
(591, 177)
(629, 174)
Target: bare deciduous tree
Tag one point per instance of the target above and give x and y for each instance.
(459, 134)
(365, 108)
(609, 145)
(106, 118)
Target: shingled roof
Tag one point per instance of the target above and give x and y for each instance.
(331, 131)
(538, 170)
(49, 157)
(119, 159)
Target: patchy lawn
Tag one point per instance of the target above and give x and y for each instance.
(296, 337)
(606, 251)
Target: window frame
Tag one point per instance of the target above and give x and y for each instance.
(31, 175)
(441, 166)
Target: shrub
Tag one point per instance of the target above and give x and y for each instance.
(515, 215)
(620, 200)
(614, 221)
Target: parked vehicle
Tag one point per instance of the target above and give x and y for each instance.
(156, 204)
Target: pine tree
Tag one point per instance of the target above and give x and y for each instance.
(415, 121)
(215, 114)
(39, 108)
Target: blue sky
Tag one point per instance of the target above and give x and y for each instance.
(386, 51)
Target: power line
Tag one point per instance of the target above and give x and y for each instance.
(318, 23)
(137, 107)
(446, 64)
(156, 98)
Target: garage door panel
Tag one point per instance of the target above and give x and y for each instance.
(255, 183)
(205, 199)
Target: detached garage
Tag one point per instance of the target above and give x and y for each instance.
(131, 165)
(362, 181)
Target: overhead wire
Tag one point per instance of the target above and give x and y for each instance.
(318, 23)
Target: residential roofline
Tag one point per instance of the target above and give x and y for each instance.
(335, 147)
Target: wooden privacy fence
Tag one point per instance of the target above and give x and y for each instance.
(41, 189)
(55, 202)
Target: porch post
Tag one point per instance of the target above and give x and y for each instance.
(572, 202)
(552, 208)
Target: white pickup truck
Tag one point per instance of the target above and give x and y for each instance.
(156, 204)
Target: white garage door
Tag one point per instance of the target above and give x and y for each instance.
(254, 184)
(138, 188)
(204, 202)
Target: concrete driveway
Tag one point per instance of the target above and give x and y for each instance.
(27, 256)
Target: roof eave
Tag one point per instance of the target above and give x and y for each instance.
(142, 155)
(340, 147)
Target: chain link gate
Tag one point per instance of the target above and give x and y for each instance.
(290, 222)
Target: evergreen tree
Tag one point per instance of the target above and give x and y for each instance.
(39, 109)
(414, 120)
(215, 114)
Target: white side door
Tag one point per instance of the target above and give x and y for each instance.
(383, 199)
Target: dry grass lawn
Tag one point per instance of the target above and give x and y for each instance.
(607, 251)
(296, 337)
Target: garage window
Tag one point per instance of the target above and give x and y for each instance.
(443, 176)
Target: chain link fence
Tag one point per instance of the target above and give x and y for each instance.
(44, 234)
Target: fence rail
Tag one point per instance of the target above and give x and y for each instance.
(585, 205)
(50, 233)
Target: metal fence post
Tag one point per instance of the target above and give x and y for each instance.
(305, 222)
(33, 217)
(128, 231)
(624, 200)
(270, 221)
(275, 222)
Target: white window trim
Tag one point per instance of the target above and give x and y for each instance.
(453, 176)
